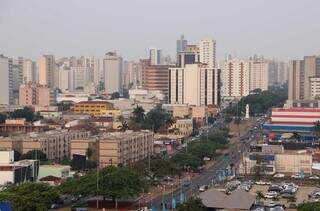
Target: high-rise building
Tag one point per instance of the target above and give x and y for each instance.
(207, 49)
(112, 66)
(81, 77)
(29, 71)
(35, 94)
(46, 70)
(156, 77)
(64, 79)
(155, 56)
(17, 77)
(6, 96)
(235, 78)
(133, 75)
(301, 74)
(181, 44)
(278, 72)
(190, 55)
(194, 84)
(258, 74)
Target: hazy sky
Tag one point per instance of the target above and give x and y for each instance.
(285, 29)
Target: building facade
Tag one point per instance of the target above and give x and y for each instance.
(112, 66)
(35, 94)
(195, 84)
(207, 49)
(46, 70)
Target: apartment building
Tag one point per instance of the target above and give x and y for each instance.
(117, 148)
(302, 78)
(54, 143)
(35, 94)
(46, 70)
(194, 84)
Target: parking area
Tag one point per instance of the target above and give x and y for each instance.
(300, 196)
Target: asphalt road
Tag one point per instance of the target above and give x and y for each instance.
(208, 176)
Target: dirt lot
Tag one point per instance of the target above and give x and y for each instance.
(302, 194)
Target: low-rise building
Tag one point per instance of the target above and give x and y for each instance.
(20, 125)
(182, 127)
(96, 108)
(17, 172)
(294, 162)
(116, 148)
(55, 143)
(60, 171)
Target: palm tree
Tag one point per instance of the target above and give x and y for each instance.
(138, 114)
(259, 196)
(124, 126)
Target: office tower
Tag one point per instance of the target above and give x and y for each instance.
(64, 78)
(190, 55)
(29, 71)
(278, 72)
(46, 68)
(17, 77)
(235, 76)
(133, 74)
(155, 56)
(35, 94)
(258, 74)
(94, 65)
(207, 49)
(301, 74)
(6, 95)
(112, 67)
(156, 77)
(194, 84)
(81, 77)
(181, 44)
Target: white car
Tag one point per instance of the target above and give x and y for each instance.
(271, 195)
(297, 176)
(314, 177)
(278, 175)
(202, 188)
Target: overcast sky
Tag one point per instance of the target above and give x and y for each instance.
(285, 29)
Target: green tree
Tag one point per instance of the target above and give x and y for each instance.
(259, 196)
(30, 196)
(157, 118)
(193, 204)
(309, 206)
(115, 95)
(3, 118)
(187, 161)
(34, 154)
(138, 115)
(26, 113)
(120, 183)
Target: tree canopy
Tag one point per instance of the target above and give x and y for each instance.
(193, 204)
(26, 113)
(309, 206)
(158, 118)
(30, 196)
(34, 154)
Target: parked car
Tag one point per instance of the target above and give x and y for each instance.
(314, 177)
(271, 195)
(203, 188)
(297, 176)
(275, 188)
(278, 175)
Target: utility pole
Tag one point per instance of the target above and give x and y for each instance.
(97, 183)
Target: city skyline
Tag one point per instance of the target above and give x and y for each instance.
(33, 28)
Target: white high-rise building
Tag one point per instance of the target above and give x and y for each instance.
(6, 96)
(63, 79)
(207, 48)
(194, 84)
(259, 74)
(112, 67)
(235, 76)
(81, 77)
(46, 68)
(155, 56)
(29, 71)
